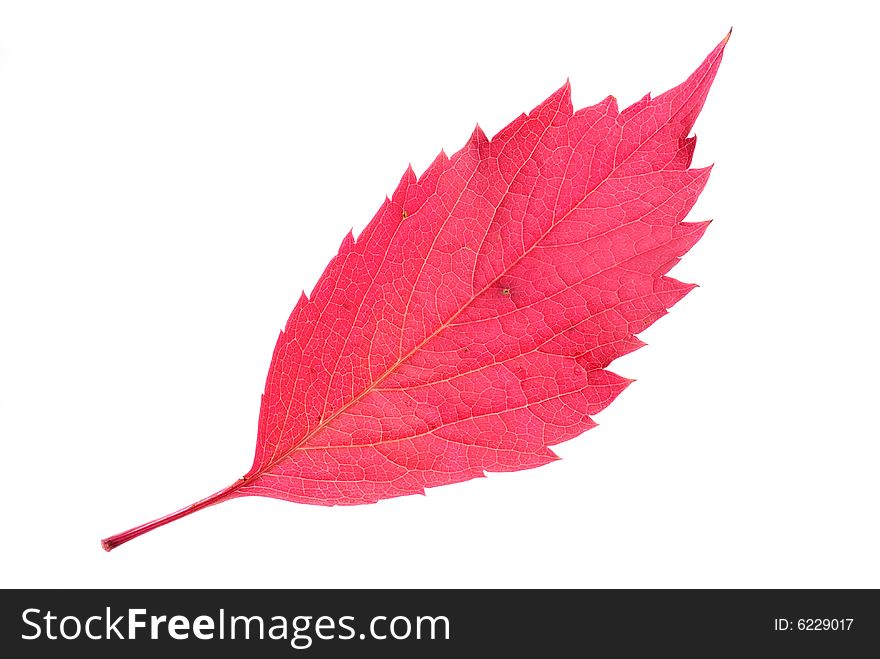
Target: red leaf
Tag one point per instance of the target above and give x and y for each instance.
(468, 327)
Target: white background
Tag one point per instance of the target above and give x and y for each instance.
(173, 174)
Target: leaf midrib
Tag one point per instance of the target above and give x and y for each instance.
(445, 325)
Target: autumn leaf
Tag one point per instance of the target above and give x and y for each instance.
(469, 327)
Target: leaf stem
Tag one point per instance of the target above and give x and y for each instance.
(218, 497)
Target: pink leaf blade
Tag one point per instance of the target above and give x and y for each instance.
(576, 216)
